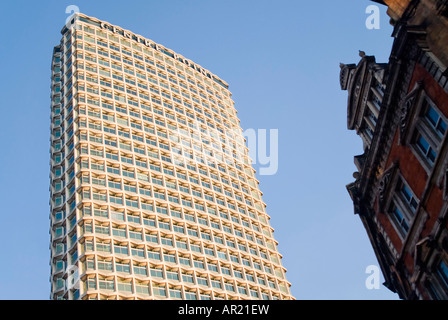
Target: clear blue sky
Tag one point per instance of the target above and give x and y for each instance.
(281, 59)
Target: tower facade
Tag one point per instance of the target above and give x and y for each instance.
(400, 110)
(153, 195)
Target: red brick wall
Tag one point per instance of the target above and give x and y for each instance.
(414, 174)
(440, 98)
(432, 88)
(411, 169)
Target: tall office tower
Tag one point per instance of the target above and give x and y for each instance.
(153, 195)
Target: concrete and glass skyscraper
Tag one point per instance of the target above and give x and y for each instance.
(153, 195)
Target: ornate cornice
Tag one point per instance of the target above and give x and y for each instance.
(383, 186)
(405, 110)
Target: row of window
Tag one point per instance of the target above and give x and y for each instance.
(171, 235)
(221, 231)
(210, 212)
(198, 217)
(165, 175)
(195, 186)
(130, 173)
(142, 202)
(163, 272)
(192, 186)
(140, 165)
(150, 234)
(228, 267)
(164, 290)
(156, 96)
(175, 193)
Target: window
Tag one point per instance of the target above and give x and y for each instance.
(151, 238)
(190, 296)
(117, 215)
(216, 283)
(166, 241)
(175, 293)
(198, 264)
(212, 267)
(442, 272)
(172, 275)
(238, 274)
(159, 290)
(408, 196)
(202, 280)
(426, 148)
(142, 289)
(178, 228)
(157, 273)
(133, 218)
(438, 285)
(225, 270)
(155, 255)
(105, 265)
(230, 287)
(149, 222)
(123, 267)
(103, 247)
(121, 249)
(434, 119)
(430, 130)
(167, 257)
(140, 270)
(254, 293)
(106, 284)
(119, 232)
(403, 207)
(135, 234)
(184, 260)
(188, 278)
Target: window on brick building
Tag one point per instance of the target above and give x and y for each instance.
(430, 130)
(438, 284)
(403, 207)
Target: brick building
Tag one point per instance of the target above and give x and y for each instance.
(400, 110)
